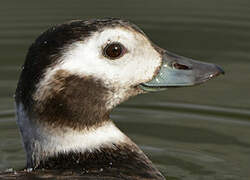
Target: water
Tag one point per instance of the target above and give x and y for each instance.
(189, 133)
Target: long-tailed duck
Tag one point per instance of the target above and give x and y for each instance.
(74, 75)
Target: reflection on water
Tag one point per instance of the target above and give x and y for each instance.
(193, 133)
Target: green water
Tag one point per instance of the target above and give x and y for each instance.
(193, 133)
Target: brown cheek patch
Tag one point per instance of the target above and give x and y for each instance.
(76, 102)
(72, 102)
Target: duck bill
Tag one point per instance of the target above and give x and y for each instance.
(179, 71)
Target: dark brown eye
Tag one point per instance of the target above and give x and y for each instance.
(113, 50)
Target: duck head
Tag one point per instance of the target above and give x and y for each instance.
(77, 72)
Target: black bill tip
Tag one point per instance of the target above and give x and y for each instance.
(220, 70)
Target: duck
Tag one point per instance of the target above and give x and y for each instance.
(74, 74)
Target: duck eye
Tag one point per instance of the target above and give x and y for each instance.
(114, 50)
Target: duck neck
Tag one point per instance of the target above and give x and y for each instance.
(42, 141)
(102, 150)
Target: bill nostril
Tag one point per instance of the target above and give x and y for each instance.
(180, 66)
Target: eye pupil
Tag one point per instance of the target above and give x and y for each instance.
(113, 51)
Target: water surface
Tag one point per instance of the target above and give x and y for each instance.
(189, 133)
